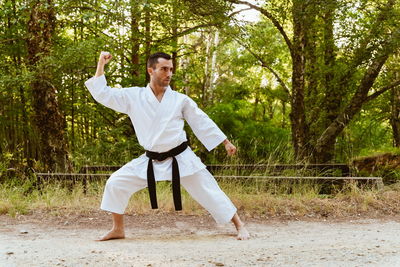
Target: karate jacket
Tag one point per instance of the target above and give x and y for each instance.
(159, 125)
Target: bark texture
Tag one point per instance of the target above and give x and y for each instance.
(48, 120)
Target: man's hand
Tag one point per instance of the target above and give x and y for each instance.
(229, 147)
(104, 58)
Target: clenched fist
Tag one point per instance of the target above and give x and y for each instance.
(105, 57)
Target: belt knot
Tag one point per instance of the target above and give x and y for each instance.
(151, 182)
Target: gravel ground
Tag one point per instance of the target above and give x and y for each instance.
(197, 241)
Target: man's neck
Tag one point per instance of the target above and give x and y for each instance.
(157, 90)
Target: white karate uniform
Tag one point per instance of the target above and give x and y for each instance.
(159, 128)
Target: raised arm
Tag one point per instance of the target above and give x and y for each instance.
(117, 99)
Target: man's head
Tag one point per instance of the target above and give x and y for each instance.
(159, 67)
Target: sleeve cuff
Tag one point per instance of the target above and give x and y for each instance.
(211, 145)
(96, 82)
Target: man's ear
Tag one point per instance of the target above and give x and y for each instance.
(150, 71)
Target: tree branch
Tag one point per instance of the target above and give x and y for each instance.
(185, 32)
(267, 66)
(382, 90)
(364, 51)
(360, 97)
(270, 17)
(357, 101)
(237, 12)
(13, 39)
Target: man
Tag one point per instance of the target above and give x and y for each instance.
(158, 115)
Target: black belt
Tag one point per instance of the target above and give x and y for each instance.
(176, 179)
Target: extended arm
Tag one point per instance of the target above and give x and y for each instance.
(204, 128)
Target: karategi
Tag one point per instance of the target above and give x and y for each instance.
(159, 127)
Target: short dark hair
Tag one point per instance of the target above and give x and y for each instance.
(153, 59)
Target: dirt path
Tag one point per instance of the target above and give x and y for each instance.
(196, 241)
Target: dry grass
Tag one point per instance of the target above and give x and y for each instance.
(253, 198)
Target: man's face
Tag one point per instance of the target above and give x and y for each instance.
(162, 73)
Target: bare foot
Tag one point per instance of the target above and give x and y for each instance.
(113, 234)
(242, 233)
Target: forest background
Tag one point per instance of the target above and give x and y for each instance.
(307, 81)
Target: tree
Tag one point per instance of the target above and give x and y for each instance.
(48, 119)
(333, 70)
(395, 115)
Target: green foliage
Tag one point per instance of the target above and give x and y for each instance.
(111, 147)
(4, 162)
(220, 63)
(258, 141)
(366, 130)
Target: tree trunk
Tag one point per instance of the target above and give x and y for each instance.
(297, 114)
(315, 125)
(325, 143)
(359, 98)
(174, 42)
(283, 125)
(147, 22)
(256, 105)
(48, 119)
(395, 116)
(333, 95)
(72, 119)
(213, 69)
(135, 41)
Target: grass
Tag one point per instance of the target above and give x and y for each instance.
(253, 198)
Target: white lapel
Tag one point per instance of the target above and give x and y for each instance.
(162, 115)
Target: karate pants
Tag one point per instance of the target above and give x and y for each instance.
(201, 186)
